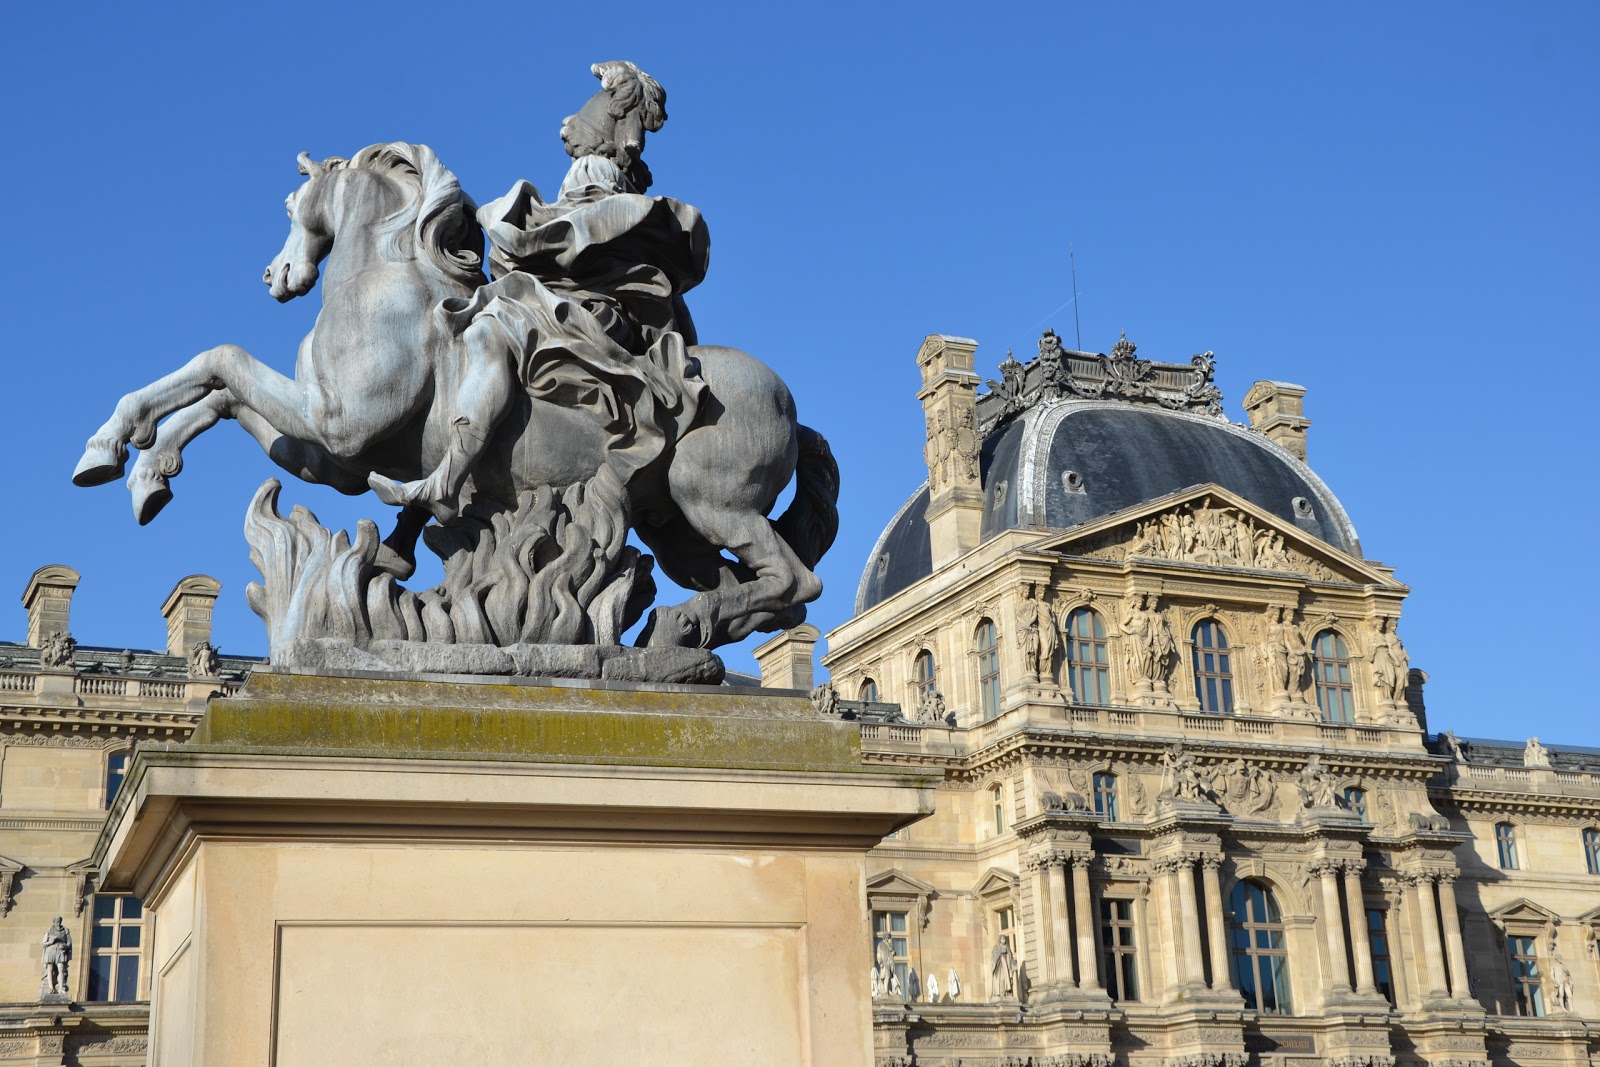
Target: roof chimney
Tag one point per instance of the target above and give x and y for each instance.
(949, 396)
(1275, 409)
(48, 599)
(188, 612)
(785, 660)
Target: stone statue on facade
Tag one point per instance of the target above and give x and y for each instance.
(884, 979)
(1180, 777)
(825, 700)
(1251, 791)
(1318, 788)
(1560, 984)
(1288, 655)
(522, 422)
(930, 709)
(1151, 648)
(933, 989)
(1535, 754)
(1002, 971)
(203, 660)
(1036, 631)
(952, 984)
(56, 981)
(1454, 746)
(57, 651)
(1389, 663)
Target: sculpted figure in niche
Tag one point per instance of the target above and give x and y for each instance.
(57, 961)
(1535, 754)
(1037, 633)
(1002, 971)
(1152, 651)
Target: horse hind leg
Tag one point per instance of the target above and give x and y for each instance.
(774, 598)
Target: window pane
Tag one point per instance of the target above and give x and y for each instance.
(127, 978)
(102, 936)
(130, 937)
(131, 908)
(105, 907)
(99, 977)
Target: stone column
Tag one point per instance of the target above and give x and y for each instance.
(1061, 939)
(1141, 946)
(1216, 923)
(1168, 908)
(1043, 919)
(1189, 916)
(1422, 907)
(1088, 958)
(1333, 919)
(1360, 942)
(1455, 948)
(1394, 903)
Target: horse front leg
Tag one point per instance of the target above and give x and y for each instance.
(163, 460)
(286, 404)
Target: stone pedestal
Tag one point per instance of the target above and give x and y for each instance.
(372, 870)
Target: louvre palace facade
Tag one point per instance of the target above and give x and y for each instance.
(1190, 809)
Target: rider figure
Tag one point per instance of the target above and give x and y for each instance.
(586, 289)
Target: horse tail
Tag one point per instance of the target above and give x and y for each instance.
(811, 521)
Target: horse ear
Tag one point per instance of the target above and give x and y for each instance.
(308, 166)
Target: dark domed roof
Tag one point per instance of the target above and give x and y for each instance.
(1067, 462)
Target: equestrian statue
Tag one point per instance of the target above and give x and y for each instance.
(522, 422)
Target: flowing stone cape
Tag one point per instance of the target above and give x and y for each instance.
(588, 290)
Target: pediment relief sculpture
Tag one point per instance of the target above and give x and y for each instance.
(1210, 534)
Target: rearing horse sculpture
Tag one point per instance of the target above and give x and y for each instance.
(376, 400)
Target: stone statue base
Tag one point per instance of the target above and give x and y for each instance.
(378, 870)
(619, 663)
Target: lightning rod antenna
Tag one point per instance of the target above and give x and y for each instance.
(1076, 326)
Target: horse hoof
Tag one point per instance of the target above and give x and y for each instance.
(148, 500)
(100, 464)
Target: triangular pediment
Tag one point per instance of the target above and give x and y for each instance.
(995, 880)
(896, 882)
(1523, 910)
(1207, 526)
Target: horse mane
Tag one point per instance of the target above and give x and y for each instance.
(438, 224)
(632, 89)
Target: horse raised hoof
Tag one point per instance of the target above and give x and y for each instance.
(150, 494)
(101, 463)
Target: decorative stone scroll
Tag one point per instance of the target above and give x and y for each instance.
(1061, 373)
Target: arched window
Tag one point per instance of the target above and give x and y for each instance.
(1105, 795)
(1330, 663)
(1591, 850)
(988, 671)
(1213, 668)
(997, 796)
(1087, 659)
(923, 682)
(868, 691)
(116, 770)
(1356, 801)
(1260, 958)
(1505, 843)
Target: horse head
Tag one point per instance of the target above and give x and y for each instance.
(293, 271)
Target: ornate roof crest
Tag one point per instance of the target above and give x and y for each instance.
(1059, 372)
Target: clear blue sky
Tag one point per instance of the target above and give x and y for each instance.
(1393, 204)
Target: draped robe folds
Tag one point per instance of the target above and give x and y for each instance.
(588, 296)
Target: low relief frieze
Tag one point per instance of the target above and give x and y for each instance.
(61, 740)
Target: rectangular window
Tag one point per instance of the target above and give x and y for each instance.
(116, 770)
(1105, 796)
(893, 924)
(1526, 981)
(1505, 840)
(1591, 850)
(1382, 964)
(1003, 929)
(115, 937)
(1117, 949)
